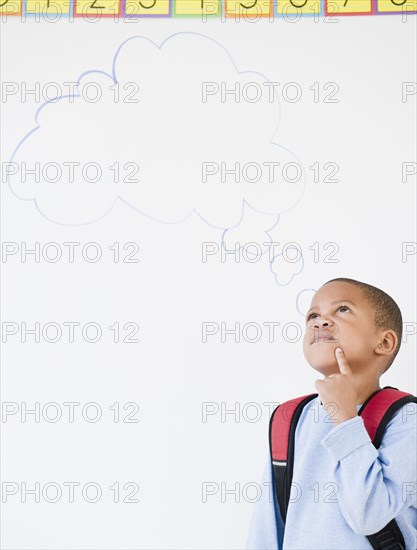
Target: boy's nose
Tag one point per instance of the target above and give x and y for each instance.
(323, 322)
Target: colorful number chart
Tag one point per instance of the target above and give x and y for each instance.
(205, 8)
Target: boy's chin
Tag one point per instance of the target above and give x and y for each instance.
(325, 368)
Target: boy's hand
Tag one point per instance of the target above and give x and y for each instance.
(340, 390)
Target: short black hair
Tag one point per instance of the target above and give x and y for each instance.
(387, 313)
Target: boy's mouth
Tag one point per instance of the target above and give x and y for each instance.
(323, 339)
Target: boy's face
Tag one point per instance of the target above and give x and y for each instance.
(330, 325)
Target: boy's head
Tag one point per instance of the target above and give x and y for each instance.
(368, 329)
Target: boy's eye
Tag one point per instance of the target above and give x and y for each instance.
(311, 316)
(315, 314)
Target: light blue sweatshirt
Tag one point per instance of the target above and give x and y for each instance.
(343, 488)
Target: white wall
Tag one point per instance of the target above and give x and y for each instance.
(369, 213)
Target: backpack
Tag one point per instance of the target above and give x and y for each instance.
(376, 412)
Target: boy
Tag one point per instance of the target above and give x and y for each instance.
(343, 488)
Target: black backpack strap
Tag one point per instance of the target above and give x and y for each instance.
(282, 427)
(380, 408)
(389, 538)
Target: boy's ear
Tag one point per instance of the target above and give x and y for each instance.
(388, 342)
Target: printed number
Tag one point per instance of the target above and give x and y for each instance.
(332, 9)
(327, 179)
(335, 248)
(129, 498)
(317, 334)
(335, 487)
(316, 88)
(129, 338)
(248, 7)
(315, 408)
(335, 409)
(135, 86)
(328, 99)
(135, 490)
(315, 247)
(129, 417)
(97, 7)
(298, 6)
(115, 87)
(134, 169)
(315, 487)
(135, 329)
(129, 258)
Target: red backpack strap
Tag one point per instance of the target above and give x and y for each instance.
(282, 427)
(376, 412)
(379, 408)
